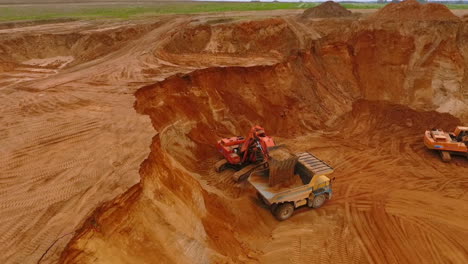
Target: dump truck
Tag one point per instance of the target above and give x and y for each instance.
(446, 143)
(310, 185)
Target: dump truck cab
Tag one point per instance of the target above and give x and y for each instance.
(310, 186)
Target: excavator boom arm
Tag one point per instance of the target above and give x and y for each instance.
(257, 139)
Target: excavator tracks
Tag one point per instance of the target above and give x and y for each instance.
(243, 173)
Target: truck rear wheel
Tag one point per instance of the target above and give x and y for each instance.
(445, 156)
(273, 208)
(318, 201)
(284, 211)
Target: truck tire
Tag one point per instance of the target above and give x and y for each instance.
(273, 208)
(318, 201)
(445, 156)
(284, 211)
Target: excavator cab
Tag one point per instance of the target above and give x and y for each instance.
(260, 133)
(244, 154)
(463, 137)
(461, 134)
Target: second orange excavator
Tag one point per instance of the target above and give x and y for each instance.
(245, 154)
(448, 144)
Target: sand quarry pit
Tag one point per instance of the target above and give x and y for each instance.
(108, 133)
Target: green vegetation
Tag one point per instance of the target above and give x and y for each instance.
(42, 12)
(34, 13)
(457, 6)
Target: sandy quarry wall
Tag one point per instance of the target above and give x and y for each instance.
(419, 64)
(238, 38)
(423, 61)
(53, 50)
(182, 211)
(186, 110)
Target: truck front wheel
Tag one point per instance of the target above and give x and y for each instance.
(318, 201)
(284, 211)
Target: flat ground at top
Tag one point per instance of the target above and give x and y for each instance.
(50, 9)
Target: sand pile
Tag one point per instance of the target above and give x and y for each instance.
(413, 10)
(327, 9)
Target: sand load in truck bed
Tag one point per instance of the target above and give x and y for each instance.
(281, 165)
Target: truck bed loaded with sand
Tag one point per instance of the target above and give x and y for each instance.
(292, 182)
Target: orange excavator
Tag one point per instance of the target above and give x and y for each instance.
(448, 144)
(244, 154)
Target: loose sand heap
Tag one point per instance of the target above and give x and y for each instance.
(413, 10)
(282, 164)
(327, 9)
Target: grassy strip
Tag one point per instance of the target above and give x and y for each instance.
(125, 12)
(457, 6)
